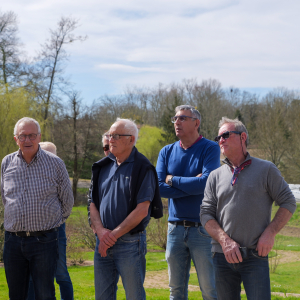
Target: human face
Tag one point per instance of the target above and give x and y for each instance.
(29, 148)
(124, 144)
(106, 146)
(187, 128)
(231, 146)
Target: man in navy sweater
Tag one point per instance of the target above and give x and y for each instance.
(183, 168)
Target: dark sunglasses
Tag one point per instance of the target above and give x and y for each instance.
(225, 135)
(106, 148)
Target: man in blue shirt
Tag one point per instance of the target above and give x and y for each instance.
(124, 195)
(182, 169)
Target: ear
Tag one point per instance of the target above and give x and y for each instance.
(244, 136)
(16, 139)
(197, 123)
(132, 139)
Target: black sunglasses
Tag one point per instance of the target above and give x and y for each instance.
(225, 135)
(106, 148)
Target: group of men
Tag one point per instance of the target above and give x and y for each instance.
(219, 217)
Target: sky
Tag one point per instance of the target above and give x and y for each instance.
(252, 45)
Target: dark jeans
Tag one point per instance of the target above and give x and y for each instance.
(62, 275)
(253, 272)
(35, 256)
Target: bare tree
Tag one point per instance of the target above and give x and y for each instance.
(51, 63)
(9, 48)
(74, 134)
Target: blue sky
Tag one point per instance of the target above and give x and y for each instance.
(252, 45)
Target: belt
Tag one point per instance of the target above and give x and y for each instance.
(186, 223)
(32, 233)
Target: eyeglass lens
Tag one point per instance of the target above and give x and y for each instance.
(31, 136)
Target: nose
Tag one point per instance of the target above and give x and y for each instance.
(27, 137)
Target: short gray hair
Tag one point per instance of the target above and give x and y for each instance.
(195, 113)
(27, 120)
(104, 138)
(130, 127)
(239, 126)
(48, 146)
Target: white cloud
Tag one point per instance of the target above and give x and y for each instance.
(248, 43)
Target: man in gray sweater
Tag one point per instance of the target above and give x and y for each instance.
(236, 212)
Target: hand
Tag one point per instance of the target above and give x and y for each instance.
(167, 178)
(231, 251)
(265, 243)
(199, 175)
(107, 237)
(102, 248)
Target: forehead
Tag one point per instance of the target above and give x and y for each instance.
(117, 128)
(29, 127)
(227, 127)
(184, 112)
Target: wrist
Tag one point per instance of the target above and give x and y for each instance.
(170, 181)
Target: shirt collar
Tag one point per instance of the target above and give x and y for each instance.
(36, 157)
(128, 160)
(198, 139)
(227, 162)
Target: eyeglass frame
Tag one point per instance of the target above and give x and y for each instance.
(27, 135)
(174, 119)
(119, 135)
(218, 138)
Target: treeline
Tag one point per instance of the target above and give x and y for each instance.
(37, 87)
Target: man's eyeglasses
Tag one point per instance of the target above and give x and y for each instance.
(226, 135)
(117, 136)
(106, 148)
(181, 118)
(22, 137)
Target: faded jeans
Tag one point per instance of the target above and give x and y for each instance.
(184, 244)
(126, 258)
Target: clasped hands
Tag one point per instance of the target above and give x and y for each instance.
(107, 240)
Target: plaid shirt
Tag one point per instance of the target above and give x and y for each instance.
(36, 196)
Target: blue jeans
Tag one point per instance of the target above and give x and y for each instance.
(253, 272)
(184, 244)
(62, 275)
(126, 259)
(35, 256)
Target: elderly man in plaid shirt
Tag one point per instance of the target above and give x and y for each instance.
(37, 198)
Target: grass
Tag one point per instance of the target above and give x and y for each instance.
(284, 280)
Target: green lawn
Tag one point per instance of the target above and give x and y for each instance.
(284, 280)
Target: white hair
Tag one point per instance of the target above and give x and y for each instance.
(129, 126)
(27, 120)
(48, 146)
(104, 138)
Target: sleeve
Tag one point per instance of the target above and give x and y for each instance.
(65, 194)
(196, 185)
(161, 169)
(2, 186)
(90, 200)
(279, 190)
(208, 207)
(147, 189)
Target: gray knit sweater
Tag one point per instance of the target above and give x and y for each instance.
(244, 210)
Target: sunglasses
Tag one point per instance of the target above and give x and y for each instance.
(226, 135)
(106, 148)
